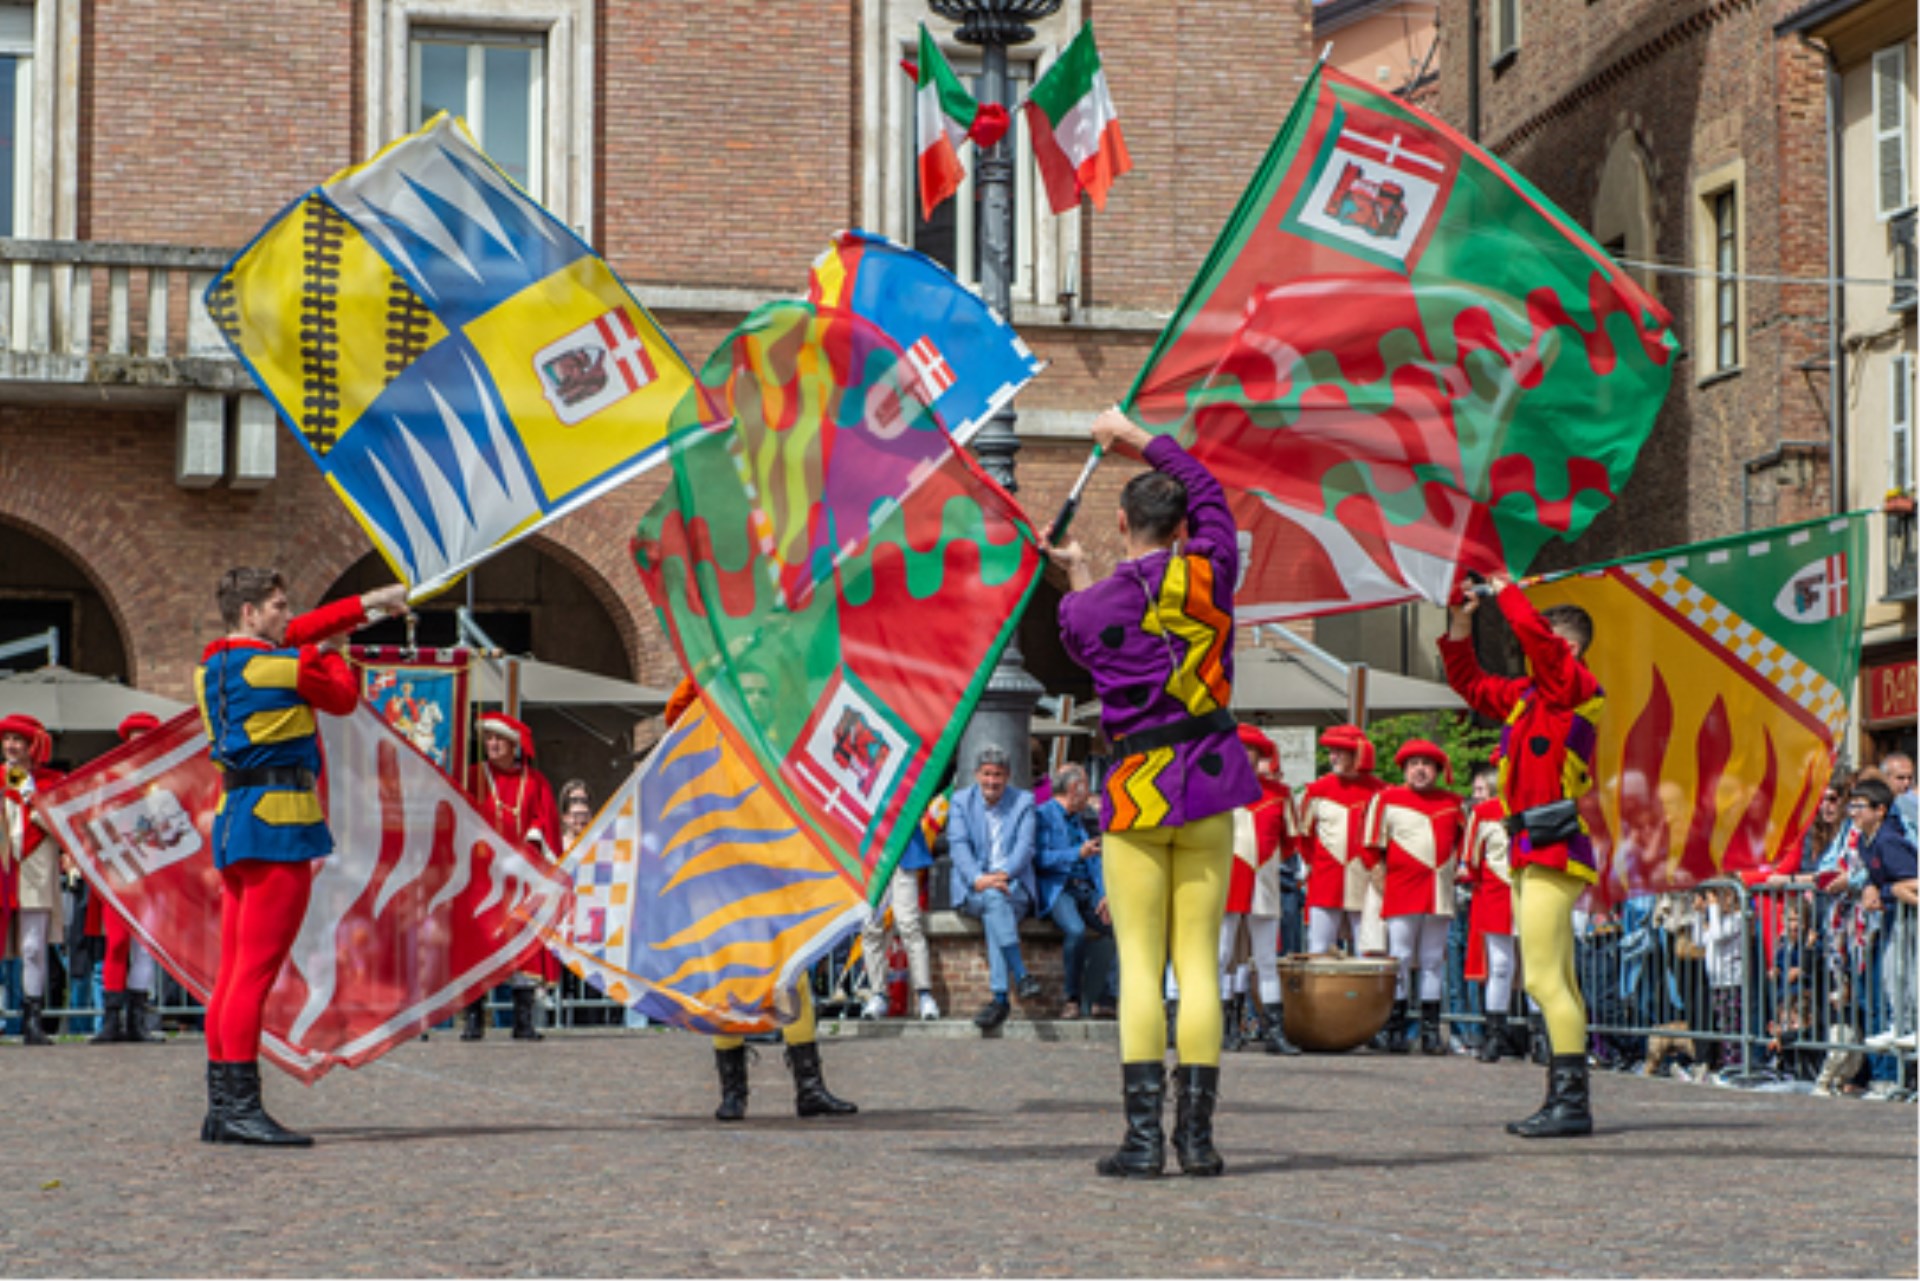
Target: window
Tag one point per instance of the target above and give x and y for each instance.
(1726, 284)
(955, 236)
(16, 120)
(1503, 30)
(1900, 425)
(1893, 178)
(1623, 213)
(495, 82)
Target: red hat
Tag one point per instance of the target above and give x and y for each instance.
(1353, 739)
(41, 749)
(1417, 747)
(1256, 741)
(138, 723)
(507, 727)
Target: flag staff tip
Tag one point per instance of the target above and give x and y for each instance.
(1325, 53)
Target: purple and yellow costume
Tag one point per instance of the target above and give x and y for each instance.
(1157, 638)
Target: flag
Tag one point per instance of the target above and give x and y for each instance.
(798, 563)
(1727, 668)
(964, 361)
(943, 113)
(459, 365)
(420, 909)
(1403, 362)
(698, 899)
(1075, 129)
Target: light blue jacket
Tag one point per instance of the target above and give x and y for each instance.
(1057, 859)
(970, 840)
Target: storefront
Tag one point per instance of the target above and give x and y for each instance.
(1888, 681)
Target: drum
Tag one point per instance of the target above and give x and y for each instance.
(1332, 1002)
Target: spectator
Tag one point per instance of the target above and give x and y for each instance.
(576, 811)
(1898, 768)
(1073, 892)
(903, 895)
(1887, 851)
(1716, 926)
(990, 838)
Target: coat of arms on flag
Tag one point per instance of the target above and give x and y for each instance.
(1816, 592)
(1374, 187)
(597, 365)
(849, 754)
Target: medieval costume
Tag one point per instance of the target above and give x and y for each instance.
(1415, 834)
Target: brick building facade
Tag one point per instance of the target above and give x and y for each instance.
(707, 150)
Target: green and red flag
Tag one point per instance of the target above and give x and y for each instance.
(837, 577)
(1403, 361)
(1727, 668)
(1075, 129)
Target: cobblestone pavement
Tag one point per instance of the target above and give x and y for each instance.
(594, 1154)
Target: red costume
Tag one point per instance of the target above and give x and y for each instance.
(1484, 860)
(1332, 812)
(1418, 833)
(1275, 825)
(123, 1020)
(519, 803)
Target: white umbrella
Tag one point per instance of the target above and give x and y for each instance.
(69, 702)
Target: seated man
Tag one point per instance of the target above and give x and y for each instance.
(1072, 891)
(990, 839)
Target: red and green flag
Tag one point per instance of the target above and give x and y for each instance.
(797, 558)
(1075, 129)
(1403, 361)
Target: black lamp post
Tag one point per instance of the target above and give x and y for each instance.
(1004, 717)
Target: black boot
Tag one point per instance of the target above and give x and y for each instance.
(134, 1026)
(1399, 1029)
(1274, 1035)
(245, 1120)
(217, 1103)
(1232, 1039)
(1493, 1040)
(473, 1021)
(810, 1094)
(1143, 1152)
(1568, 1109)
(31, 1033)
(732, 1066)
(1432, 1039)
(525, 1025)
(1540, 1045)
(113, 1020)
(1193, 1121)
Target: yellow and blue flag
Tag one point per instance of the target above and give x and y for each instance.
(462, 368)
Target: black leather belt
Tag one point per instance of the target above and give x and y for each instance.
(283, 780)
(1218, 721)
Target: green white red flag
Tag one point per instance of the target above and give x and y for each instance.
(1075, 129)
(1403, 361)
(943, 111)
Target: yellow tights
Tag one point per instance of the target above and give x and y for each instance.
(1166, 888)
(1547, 896)
(798, 1032)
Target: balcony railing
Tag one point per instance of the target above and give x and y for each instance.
(105, 315)
(1900, 557)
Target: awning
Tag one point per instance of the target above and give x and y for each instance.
(1275, 681)
(68, 702)
(550, 685)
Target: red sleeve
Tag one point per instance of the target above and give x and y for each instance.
(327, 682)
(1562, 679)
(329, 620)
(1492, 696)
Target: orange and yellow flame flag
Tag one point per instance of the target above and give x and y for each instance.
(1728, 668)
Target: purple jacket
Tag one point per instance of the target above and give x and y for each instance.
(1157, 637)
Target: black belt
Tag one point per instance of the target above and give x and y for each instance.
(284, 780)
(1218, 721)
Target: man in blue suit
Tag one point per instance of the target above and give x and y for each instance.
(1072, 890)
(990, 840)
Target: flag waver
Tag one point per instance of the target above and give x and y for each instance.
(1727, 667)
(1403, 361)
(458, 364)
(1075, 129)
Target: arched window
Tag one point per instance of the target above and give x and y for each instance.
(1623, 213)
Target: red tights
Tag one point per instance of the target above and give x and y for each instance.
(113, 967)
(260, 915)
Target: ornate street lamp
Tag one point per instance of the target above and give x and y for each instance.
(1004, 717)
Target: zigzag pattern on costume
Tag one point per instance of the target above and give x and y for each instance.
(1133, 788)
(1185, 609)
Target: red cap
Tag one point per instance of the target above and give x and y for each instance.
(138, 723)
(1353, 739)
(41, 749)
(507, 727)
(1256, 740)
(1417, 747)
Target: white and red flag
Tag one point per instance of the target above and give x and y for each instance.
(422, 907)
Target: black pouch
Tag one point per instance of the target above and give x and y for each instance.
(1554, 824)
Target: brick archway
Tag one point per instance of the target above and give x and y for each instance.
(14, 530)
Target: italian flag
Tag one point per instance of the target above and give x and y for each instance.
(1075, 130)
(944, 111)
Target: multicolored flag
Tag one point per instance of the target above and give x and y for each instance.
(462, 368)
(1075, 129)
(421, 908)
(698, 899)
(1403, 361)
(796, 562)
(965, 361)
(1727, 668)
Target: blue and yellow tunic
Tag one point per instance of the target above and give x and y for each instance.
(258, 705)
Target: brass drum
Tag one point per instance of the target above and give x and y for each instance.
(1334, 1002)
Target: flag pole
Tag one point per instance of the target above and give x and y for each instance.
(1058, 530)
